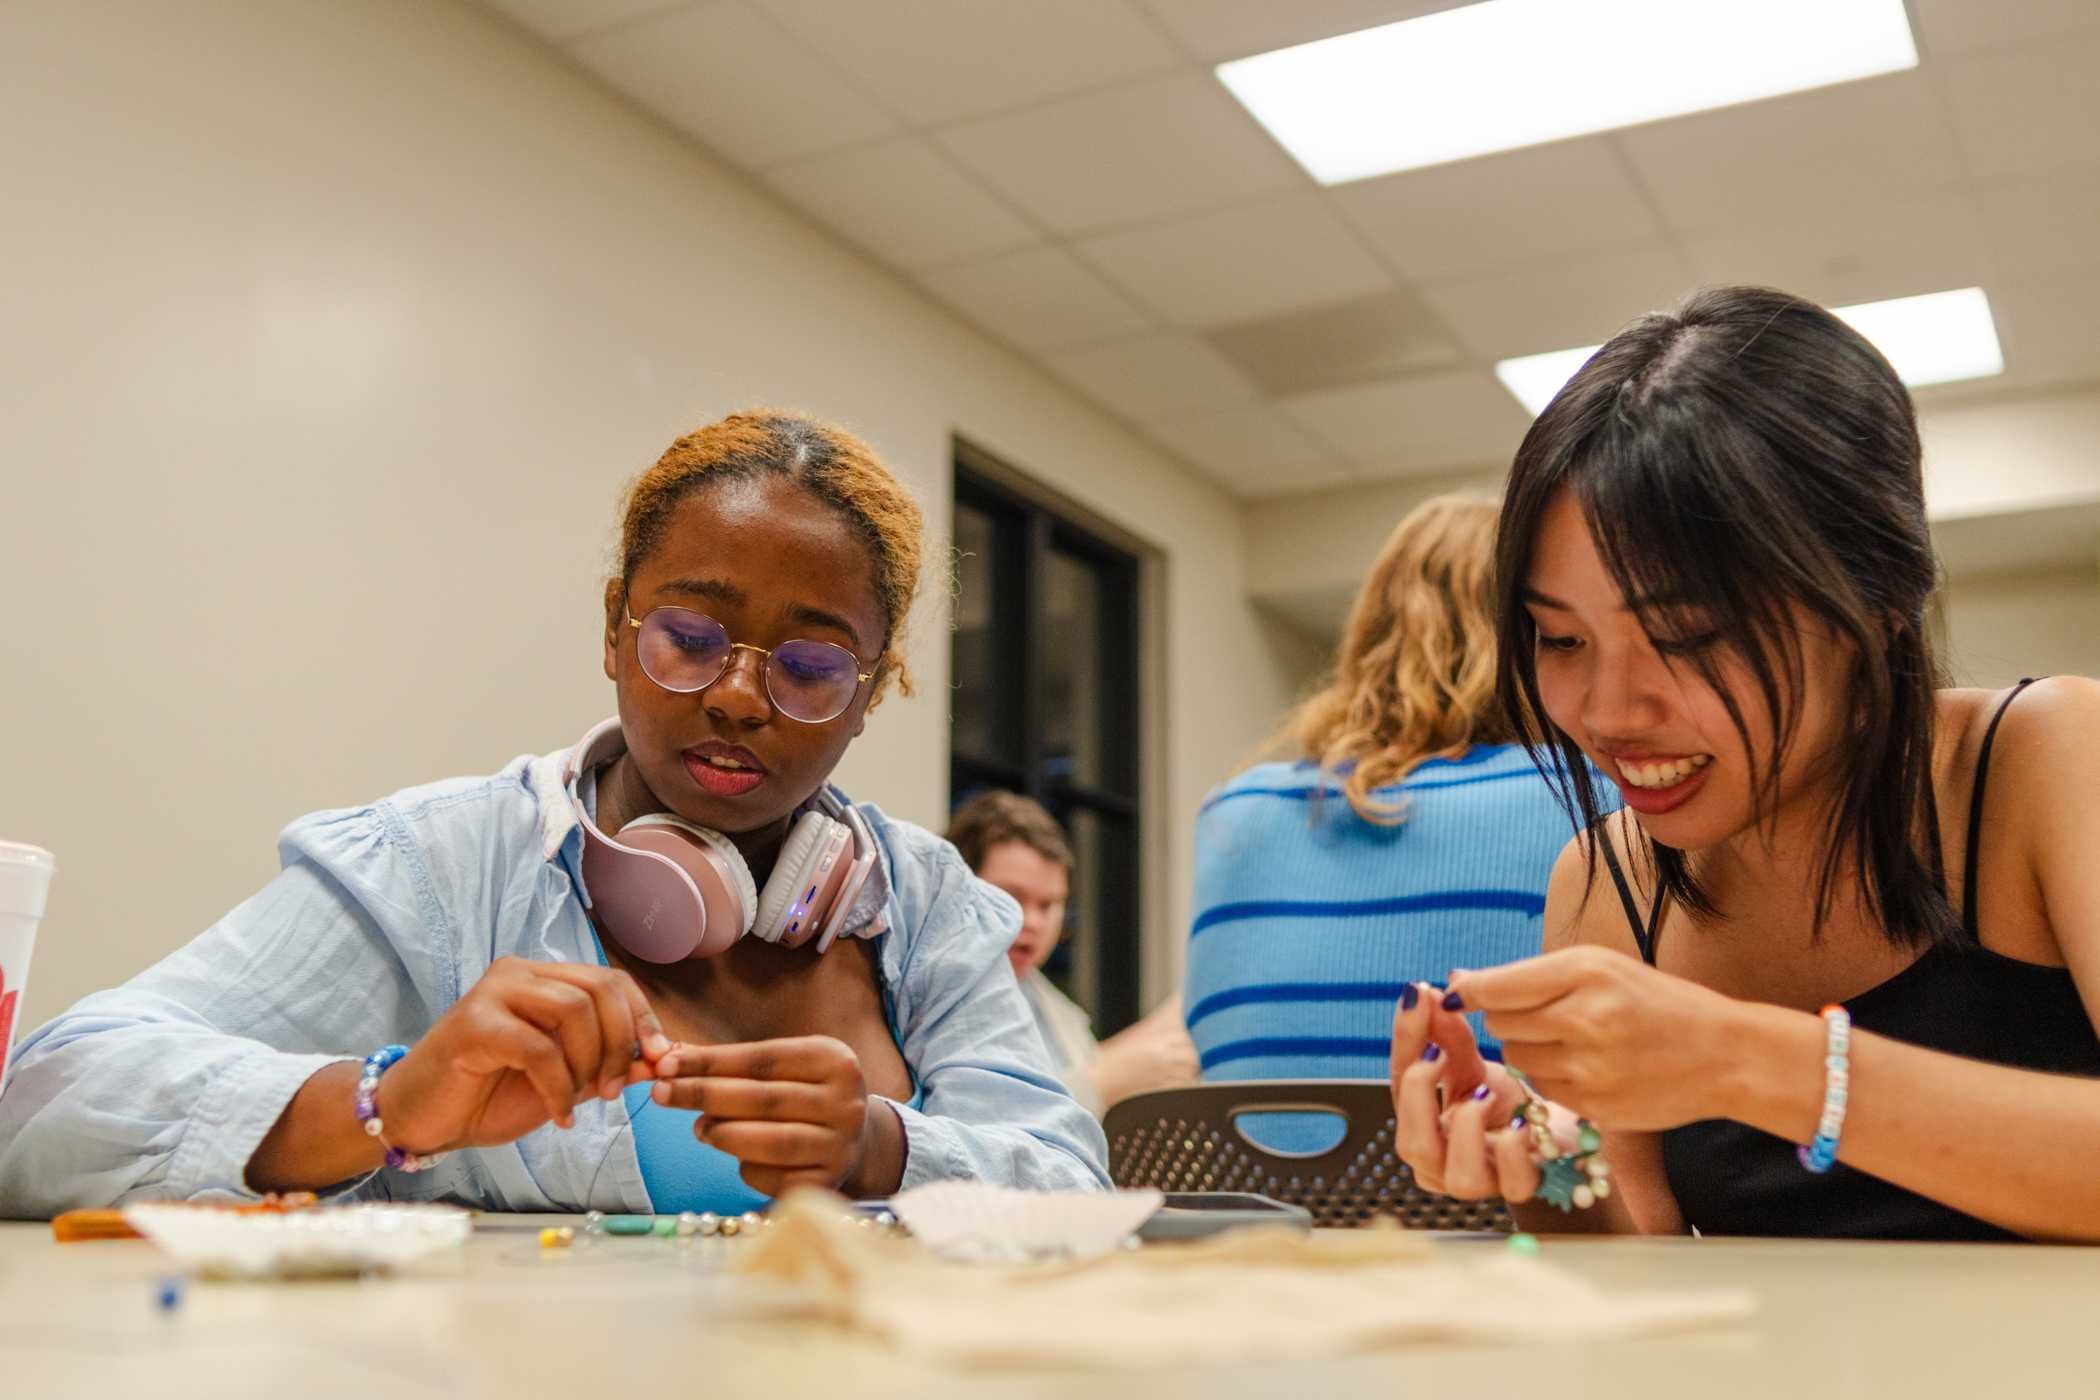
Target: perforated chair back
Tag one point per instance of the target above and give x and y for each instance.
(1190, 1140)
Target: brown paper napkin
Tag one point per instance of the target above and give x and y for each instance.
(1251, 1295)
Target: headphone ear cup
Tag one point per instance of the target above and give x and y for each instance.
(799, 868)
(725, 881)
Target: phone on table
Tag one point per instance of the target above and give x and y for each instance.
(1189, 1215)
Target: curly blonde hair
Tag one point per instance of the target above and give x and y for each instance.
(1414, 677)
(835, 466)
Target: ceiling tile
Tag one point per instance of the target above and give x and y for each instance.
(559, 21)
(2045, 324)
(902, 201)
(1427, 423)
(728, 76)
(1154, 376)
(1237, 264)
(1717, 169)
(2029, 108)
(936, 60)
(1251, 451)
(1960, 26)
(1037, 299)
(1215, 30)
(1511, 208)
(1353, 342)
(2041, 224)
(1559, 305)
(1144, 151)
(1864, 249)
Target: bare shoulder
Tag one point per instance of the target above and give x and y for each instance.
(2051, 732)
(1582, 900)
(2047, 751)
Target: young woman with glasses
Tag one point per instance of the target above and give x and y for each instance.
(1834, 969)
(767, 564)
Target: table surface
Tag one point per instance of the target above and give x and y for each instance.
(619, 1319)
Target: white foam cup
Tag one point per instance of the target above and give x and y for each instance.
(25, 880)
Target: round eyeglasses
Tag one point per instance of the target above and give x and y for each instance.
(686, 652)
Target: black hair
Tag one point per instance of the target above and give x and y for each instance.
(1743, 456)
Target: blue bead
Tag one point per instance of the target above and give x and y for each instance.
(167, 1294)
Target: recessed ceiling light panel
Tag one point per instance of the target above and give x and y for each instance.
(1500, 74)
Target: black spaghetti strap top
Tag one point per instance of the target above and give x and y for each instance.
(1963, 999)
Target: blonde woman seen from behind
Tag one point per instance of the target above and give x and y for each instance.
(1400, 835)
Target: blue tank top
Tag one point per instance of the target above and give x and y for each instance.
(682, 1173)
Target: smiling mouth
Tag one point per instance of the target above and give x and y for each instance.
(1660, 775)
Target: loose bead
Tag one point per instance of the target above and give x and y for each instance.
(688, 1223)
(731, 1225)
(556, 1237)
(709, 1223)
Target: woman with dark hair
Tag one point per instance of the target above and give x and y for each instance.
(1715, 575)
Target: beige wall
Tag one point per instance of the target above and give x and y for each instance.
(2040, 623)
(332, 331)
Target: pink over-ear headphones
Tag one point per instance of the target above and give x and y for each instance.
(670, 890)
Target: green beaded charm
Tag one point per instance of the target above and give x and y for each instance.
(1558, 1179)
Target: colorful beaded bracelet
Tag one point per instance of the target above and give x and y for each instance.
(1821, 1154)
(1568, 1180)
(367, 1107)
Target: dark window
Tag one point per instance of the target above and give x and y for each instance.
(1045, 702)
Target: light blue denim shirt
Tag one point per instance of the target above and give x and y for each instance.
(383, 916)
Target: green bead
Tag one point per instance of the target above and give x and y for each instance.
(629, 1224)
(1523, 1244)
(666, 1225)
(1590, 1140)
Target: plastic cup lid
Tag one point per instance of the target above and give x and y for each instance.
(17, 853)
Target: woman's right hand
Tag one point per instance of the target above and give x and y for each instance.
(524, 1046)
(1445, 1097)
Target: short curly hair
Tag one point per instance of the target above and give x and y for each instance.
(994, 818)
(835, 466)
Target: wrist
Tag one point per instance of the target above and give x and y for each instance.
(878, 1170)
(1775, 1077)
(401, 1131)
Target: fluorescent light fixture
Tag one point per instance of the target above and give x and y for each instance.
(1535, 379)
(1932, 339)
(1499, 74)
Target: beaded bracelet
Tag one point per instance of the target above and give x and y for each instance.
(1568, 1180)
(1821, 1154)
(367, 1107)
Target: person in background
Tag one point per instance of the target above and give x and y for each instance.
(1015, 845)
(1401, 836)
(767, 564)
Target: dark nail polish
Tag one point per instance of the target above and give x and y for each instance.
(1409, 995)
(1433, 1053)
(1482, 1092)
(1454, 1002)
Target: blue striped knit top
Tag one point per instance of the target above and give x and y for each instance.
(1309, 920)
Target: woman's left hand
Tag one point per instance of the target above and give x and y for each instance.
(793, 1112)
(1619, 1042)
